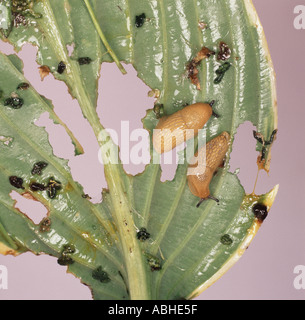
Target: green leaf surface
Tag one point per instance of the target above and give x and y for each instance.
(189, 247)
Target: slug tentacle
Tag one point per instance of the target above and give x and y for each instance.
(203, 199)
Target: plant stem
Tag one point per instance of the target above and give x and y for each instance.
(103, 38)
(122, 214)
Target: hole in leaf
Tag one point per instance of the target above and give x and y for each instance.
(243, 160)
(169, 163)
(7, 141)
(70, 49)
(57, 134)
(7, 48)
(123, 103)
(85, 168)
(29, 206)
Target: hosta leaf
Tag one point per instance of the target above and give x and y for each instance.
(188, 248)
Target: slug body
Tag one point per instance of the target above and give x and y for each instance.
(201, 171)
(180, 126)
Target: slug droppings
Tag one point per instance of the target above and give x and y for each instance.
(23, 86)
(100, 275)
(61, 67)
(224, 52)
(265, 143)
(221, 72)
(14, 102)
(143, 235)
(260, 211)
(34, 186)
(84, 60)
(140, 19)
(45, 225)
(16, 182)
(65, 258)
(226, 240)
(53, 187)
(38, 167)
(154, 262)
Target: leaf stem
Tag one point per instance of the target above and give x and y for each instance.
(122, 213)
(135, 262)
(103, 38)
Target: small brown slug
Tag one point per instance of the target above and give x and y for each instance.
(180, 126)
(200, 172)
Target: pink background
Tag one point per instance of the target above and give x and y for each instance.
(266, 269)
